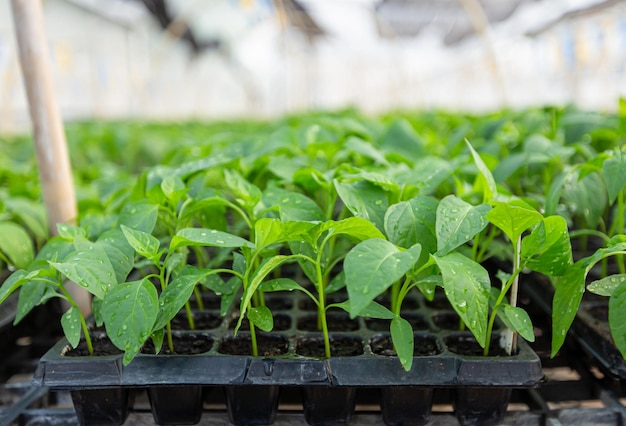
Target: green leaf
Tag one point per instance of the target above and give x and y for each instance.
(270, 231)
(15, 281)
(402, 139)
(488, 182)
(176, 294)
(292, 206)
(402, 337)
(358, 145)
(89, 268)
(280, 284)
(174, 188)
(70, 232)
(554, 194)
(607, 285)
(467, 287)
(157, 339)
(568, 293)
(614, 174)
(246, 193)
(547, 249)
(207, 237)
(130, 311)
(426, 174)
(70, 321)
(56, 248)
(16, 244)
(519, 321)
(513, 218)
(617, 318)
(375, 310)
(585, 199)
(414, 221)
(355, 227)
(142, 242)
(457, 222)
(140, 215)
(119, 252)
(262, 317)
(364, 199)
(32, 213)
(34, 293)
(372, 266)
(336, 283)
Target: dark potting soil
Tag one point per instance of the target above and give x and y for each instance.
(439, 302)
(410, 303)
(467, 345)
(102, 346)
(309, 305)
(417, 321)
(267, 344)
(183, 343)
(382, 344)
(203, 320)
(599, 312)
(335, 322)
(313, 346)
(209, 301)
(447, 320)
(282, 322)
(275, 303)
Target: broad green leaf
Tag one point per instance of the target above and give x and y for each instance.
(457, 222)
(568, 293)
(607, 285)
(364, 199)
(70, 321)
(89, 268)
(403, 343)
(55, 249)
(355, 227)
(358, 145)
(15, 281)
(554, 194)
(203, 210)
(547, 249)
(270, 231)
(245, 192)
(426, 174)
(261, 317)
(140, 215)
(614, 174)
(143, 243)
(402, 139)
(16, 244)
(207, 237)
(467, 287)
(410, 222)
(120, 253)
(292, 206)
(336, 283)
(519, 321)
(32, 213)
(176, 294)
(376, 310)
(280, 284)
(372, 266)
(95, 224)
(227, 298)
(157, 339)
(617, 318)
(34, 293)
(130, 311)
(513, 218)
(310, 180)
(70, 232)
(585, 198)
(490, 191)
(614, 246)
(174, 188)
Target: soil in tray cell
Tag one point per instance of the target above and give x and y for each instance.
(464, 344)
(313, 346)
(335, 321)
(268, 344)
(102, 346)
(410, 303)
(447, 320)
(282, 322)
(417, 321)
(184, 344)
(275, 303)
(202, 320)
(382, 344)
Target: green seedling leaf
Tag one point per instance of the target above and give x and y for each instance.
(413, 221)
(614, 174)
(426, 174)
(467, 287)
(280, 284)
(90, 268)
(617, 318)
(488, 182)
(140, 216)
(337, 283)
(70, 232)
(585, 199)
(119, 252)
(403, 343)
(355, 227)
(607, 285)
(457, 222)
(547, 249)
(34, 293)
(372, 266)
(174, 188)
(70, 321)
(513, 218)
(428, 286)
(228, 297)
(55, 249)
(292, 206)
(270, 231)
(568, 293)
(143, 243)
(364, 199)
(32, 213)
(375, 310)
(261, 317)
(15, 281)
(157, 340)
(519, 321)
(401, 139)
(176, 294)
(207, 237)
(246, 193)
(362, 147)
(16, 244)
(130, 311)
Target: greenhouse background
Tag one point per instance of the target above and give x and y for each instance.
(265, 58)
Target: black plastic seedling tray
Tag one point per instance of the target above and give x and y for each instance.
(101, 386)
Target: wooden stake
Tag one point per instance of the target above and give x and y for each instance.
(50, 145)
(53, 161)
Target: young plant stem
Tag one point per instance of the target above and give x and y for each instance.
(170, 343)
(192, 325)
(255, 347)
(198, 296)
(321, 311)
